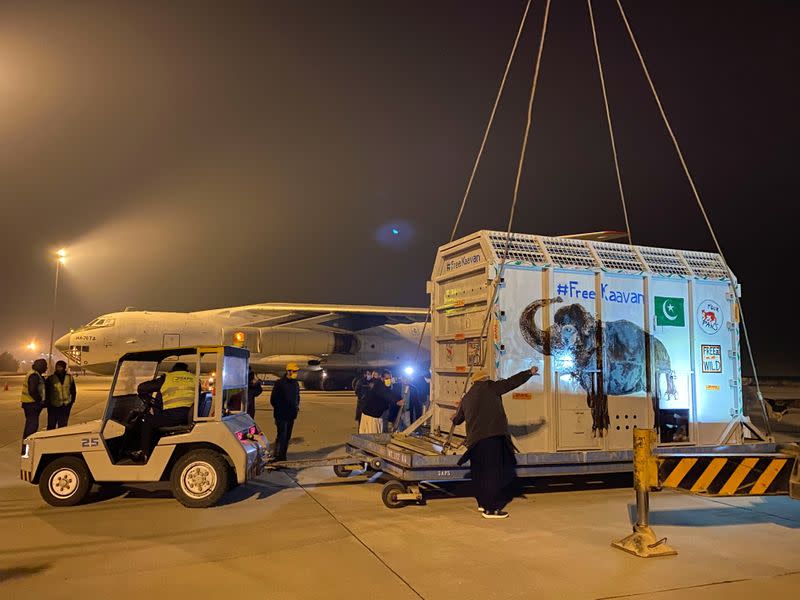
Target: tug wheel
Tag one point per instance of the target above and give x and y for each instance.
(200, 478)
(65, 482)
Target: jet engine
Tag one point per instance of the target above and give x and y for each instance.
(287, 340)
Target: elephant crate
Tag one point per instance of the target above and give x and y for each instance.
(624, 336)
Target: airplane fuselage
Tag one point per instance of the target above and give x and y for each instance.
(323, 349)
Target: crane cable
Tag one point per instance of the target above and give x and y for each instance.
(478, 157)
(689, 177)
(608, 119)
(520, 163)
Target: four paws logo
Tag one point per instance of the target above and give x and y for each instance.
(709, 316)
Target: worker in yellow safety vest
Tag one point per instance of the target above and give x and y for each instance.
(61, 395)
(33, 397)
(171, 397)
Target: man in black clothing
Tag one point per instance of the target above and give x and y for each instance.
(33, 397)
(391, 415)
(380, 398)
(360, 388)
(253, 391)
(489, 447)
(61, 394)
(414, 401)
(285, 400)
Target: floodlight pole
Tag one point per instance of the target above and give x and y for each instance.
(53, 320)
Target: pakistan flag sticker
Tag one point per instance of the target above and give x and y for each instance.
(669, 312)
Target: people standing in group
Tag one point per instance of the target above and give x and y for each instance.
(285, 400)
(33, 397)
(254, 390)
(60, 396)
(490, 450)
(380, 398)
(360, 388)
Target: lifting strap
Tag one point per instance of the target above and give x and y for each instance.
(703, 212)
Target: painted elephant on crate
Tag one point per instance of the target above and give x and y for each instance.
(574, 338)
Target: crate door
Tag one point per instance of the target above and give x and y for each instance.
(527, 407)
(572, 337)
(717, 369)
(624, 357)
(671, 359)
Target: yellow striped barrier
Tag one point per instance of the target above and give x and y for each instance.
(719, 475)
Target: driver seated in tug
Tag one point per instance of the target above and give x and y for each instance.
(171, 397)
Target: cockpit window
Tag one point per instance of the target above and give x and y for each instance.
(101, 322)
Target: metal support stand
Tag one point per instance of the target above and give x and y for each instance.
(643, 541)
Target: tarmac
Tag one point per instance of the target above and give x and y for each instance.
(309, 534)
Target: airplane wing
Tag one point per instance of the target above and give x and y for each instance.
(331, 317)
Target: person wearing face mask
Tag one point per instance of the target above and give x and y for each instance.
(60, 396)
(285, 400)
(381, 396)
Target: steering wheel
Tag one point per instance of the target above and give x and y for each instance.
(137, 413)
(148, 400)
(133, 417)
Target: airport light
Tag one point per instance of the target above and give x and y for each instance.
(61, 259)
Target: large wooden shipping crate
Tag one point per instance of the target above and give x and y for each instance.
(623, 336)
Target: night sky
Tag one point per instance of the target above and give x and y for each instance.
(193, 155)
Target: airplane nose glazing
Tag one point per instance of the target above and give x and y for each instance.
(62, 343)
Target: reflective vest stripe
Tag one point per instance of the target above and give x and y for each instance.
(61, 395)
(26, 397)
(177, 390)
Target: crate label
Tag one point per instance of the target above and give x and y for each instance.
(460, 262)
(711, 358)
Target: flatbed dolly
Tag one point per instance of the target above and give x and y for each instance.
(409, 461)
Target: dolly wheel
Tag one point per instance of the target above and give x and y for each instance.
(341, 471)
(391, 489)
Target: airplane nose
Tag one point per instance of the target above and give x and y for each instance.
(62, 343)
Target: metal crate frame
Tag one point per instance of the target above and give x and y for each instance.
(570, 253)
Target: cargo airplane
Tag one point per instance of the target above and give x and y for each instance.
(330, 343)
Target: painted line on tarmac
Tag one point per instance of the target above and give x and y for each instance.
(650, 593)
(358, 539)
